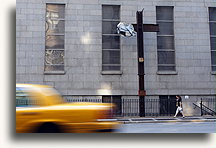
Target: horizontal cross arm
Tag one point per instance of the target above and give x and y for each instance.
(148, 27)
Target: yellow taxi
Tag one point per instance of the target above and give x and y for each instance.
(41, 109)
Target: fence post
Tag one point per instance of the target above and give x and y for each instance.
(201, 107)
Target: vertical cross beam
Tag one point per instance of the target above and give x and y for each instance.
(141, 72)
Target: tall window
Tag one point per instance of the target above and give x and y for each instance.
(110, 38)
(165, 38)
(55, 28)
(212, 26)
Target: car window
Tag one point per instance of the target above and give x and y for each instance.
(23, 98)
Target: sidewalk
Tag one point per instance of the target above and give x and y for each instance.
(128, 120)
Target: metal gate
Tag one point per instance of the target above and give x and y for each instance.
(116, 100)
(164, 106)
(167, 105)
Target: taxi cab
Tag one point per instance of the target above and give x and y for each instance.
(41, 109)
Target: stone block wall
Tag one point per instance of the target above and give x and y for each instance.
(83, 49)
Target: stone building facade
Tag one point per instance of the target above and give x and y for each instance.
(83, 43)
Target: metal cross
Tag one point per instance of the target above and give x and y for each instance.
(140, 28)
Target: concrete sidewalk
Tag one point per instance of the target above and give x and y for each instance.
(128, 120)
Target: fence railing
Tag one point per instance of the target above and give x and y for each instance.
(129, 107)
(153, 107)
(83, 100)
(207, 106)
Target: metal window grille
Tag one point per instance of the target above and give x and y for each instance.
(55, 33)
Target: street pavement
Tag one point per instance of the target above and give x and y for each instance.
(169, 127)
(190, 124)
(133, 120)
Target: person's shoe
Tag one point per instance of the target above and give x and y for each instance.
(183, 117)
(174, 117)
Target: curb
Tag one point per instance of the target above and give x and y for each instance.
(130, 121)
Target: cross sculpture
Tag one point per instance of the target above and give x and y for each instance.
(140, 28)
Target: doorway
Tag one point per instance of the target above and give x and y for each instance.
(115, 100)
(167, 105)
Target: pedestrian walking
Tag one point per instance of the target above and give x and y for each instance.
(179, 106)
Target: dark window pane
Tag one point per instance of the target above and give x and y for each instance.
(166, 57)
(213, 28)
(110, 12)
(166, 68)
(55, 11)
(212, 13)
(54, 42)
(166, 28)
(213, 43)
(116, 97)
(165, 42)
(164, 13)
(213, 57)
(55, 26)
(111, 57)
(111, 42)
(213, 68)
(110, 68)
(109, 27)
(54, 67)
(54, 57)
(106, 99)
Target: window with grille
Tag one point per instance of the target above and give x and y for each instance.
(165, 39)
(110, 39)
(55, 32)
(212, 27)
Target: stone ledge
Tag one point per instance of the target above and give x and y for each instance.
(111, 72)
(167, 73)
(54, 72)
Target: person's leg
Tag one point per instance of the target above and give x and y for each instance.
(182, 114)
(177, 110)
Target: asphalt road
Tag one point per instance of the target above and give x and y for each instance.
(175, 127)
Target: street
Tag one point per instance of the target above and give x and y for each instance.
(176, 127)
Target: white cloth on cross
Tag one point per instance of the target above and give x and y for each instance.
(125, 29)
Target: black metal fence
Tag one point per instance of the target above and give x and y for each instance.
(130, 107)
(207, 106)
(153, 107)
(83, 100)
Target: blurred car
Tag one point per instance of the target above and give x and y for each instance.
(41, 109)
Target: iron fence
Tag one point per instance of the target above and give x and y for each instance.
(207, 106)
(126, 107)
(153, 107)
(83, 100)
